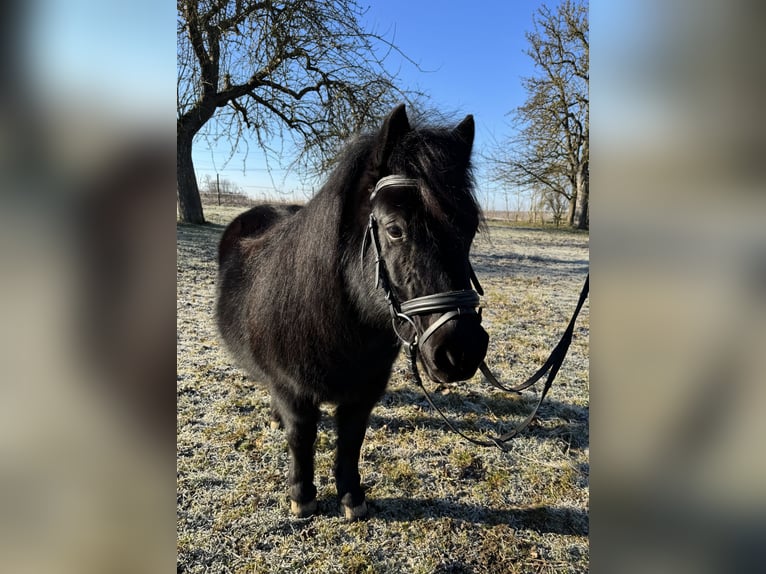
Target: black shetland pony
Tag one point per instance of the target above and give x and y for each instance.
(298, 299)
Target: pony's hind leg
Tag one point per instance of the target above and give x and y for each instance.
(300, 420)
(352, 425)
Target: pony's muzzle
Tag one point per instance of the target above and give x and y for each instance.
(456, 349)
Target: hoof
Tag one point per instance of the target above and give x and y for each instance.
(303, 510)
(275, 425)
(355, 513)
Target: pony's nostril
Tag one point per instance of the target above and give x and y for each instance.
(451, 360)
(441, 359)
(455, 355)
(454, 359)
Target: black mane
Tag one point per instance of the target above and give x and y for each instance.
(424, 154)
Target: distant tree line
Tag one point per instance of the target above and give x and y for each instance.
(222, 191)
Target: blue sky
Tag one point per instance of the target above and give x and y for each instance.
(87, 51)
(472, 57)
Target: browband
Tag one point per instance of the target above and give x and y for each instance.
(393, 181)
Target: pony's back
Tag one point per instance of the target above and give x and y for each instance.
(251, 223)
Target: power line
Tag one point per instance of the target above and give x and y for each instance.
(243, 170)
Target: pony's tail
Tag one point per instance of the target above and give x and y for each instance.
(251, 223)
(230, 240)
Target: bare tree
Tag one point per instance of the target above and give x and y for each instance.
(207, 184)
(223, 185)
(551, 147)
(299, 69)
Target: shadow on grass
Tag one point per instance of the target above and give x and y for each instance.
(543, 519)
(570, 421)
(205, 236)
(460, 401)
(494, 265)
(201, 228)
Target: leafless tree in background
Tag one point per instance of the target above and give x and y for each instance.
(550, 150)
(305, 71)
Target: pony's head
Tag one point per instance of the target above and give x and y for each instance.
(424, 217)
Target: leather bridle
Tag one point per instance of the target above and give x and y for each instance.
(451, 305)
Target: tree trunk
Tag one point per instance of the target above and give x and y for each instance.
(583, 191)
(572, 208)
(189, 202)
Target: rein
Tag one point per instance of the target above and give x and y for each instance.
(452, 304)
(551, 367)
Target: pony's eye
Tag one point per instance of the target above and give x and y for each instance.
(394, 231)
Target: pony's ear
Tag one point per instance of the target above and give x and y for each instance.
(465, 130)
(394, 128)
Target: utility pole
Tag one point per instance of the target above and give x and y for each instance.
(218, 187)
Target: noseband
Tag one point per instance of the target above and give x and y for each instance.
(452, 304)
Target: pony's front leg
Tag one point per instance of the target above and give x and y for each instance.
(275, 420)
(300, 420)
(352, 425)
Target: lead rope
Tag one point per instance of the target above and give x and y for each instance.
(412, 352)
(551, 366)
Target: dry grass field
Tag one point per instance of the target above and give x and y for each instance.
(437, 503)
